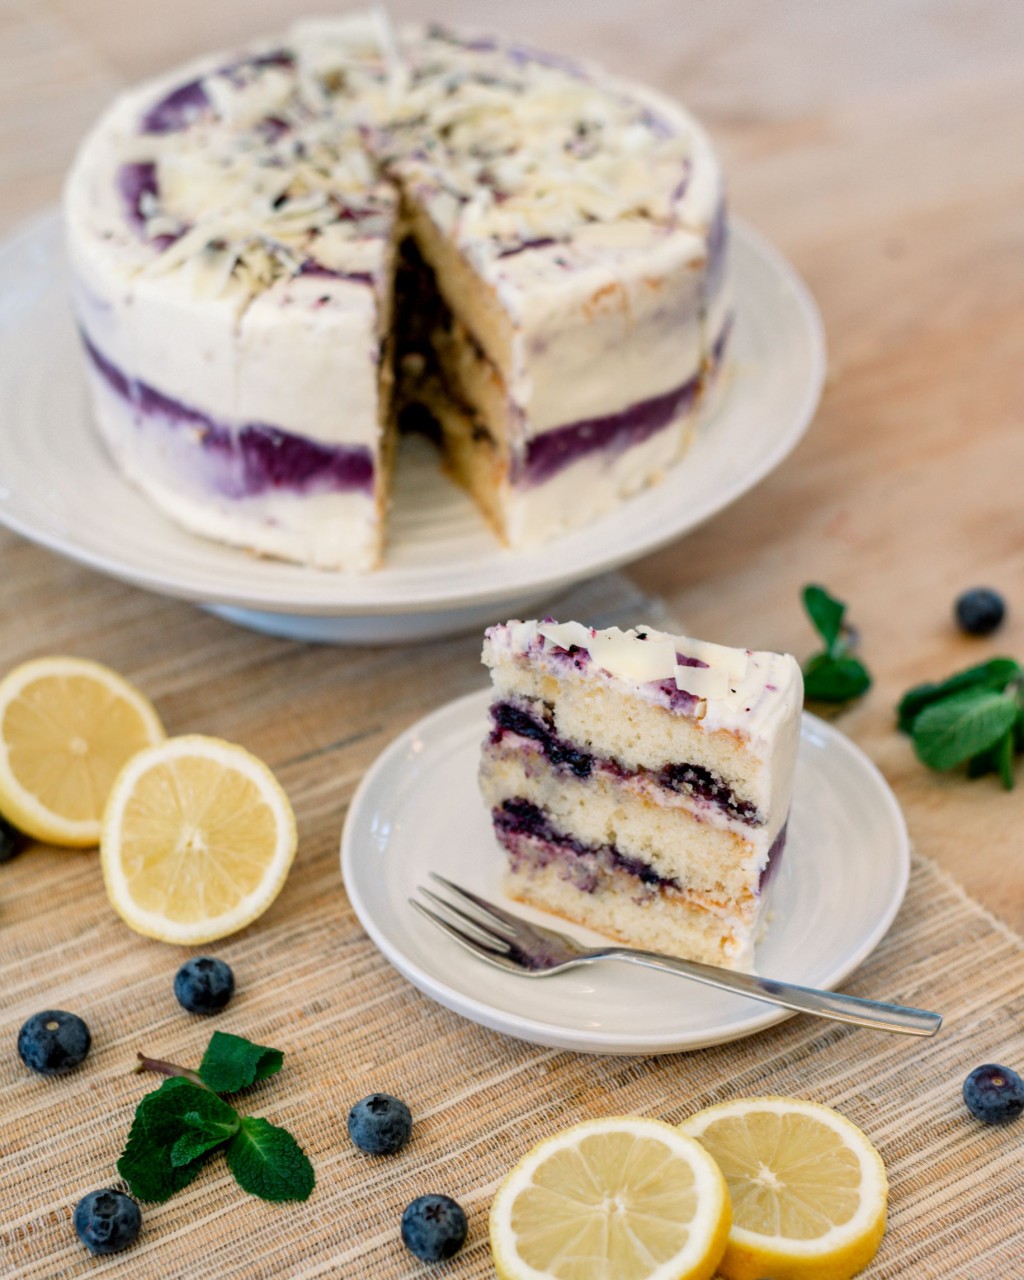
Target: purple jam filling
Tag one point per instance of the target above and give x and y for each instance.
(508, 718)
(771, 865)
(700, 783)
(518, 819)
(550, 453)
(266, 458)
(177, 110)
(689, 779)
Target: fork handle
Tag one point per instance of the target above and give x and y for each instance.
(824, 1004)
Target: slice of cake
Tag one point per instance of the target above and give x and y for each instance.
(640, 782)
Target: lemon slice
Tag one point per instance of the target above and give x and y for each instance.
(621, 1198)
(67, 726)
(198, 837)
(808, 1189)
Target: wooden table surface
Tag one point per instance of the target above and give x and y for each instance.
(879, 147)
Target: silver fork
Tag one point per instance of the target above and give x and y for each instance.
(514, 945)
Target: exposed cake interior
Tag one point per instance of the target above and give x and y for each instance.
(640, 782)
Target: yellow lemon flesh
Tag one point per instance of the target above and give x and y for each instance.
(808, 1188)
(620, 1198)
(198, 837)
(67, 726)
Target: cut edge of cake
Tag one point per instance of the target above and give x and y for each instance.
(640, 782)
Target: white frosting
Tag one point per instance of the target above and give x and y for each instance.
(738, 688)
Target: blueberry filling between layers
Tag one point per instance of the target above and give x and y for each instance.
(687, 779)
(519, 819)
(552, 452)
(254, 458)
(428, 325)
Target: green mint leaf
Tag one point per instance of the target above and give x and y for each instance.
(995, 674)
(180, 1106)
(835, 679)
(147, 1168)
(192, 1144)
(826, 613)
(950, 732)
(984, 762)
(231, 1063)
(268, 1162)
(1005, 754)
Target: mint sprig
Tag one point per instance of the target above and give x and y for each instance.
(179, 1124)
(835, 674)
(973, 718)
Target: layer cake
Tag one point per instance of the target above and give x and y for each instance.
(240, 229)
(640, 782)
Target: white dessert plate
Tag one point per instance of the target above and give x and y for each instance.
(841, 880)
(445, 571)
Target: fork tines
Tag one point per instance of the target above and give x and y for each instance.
(483, 932)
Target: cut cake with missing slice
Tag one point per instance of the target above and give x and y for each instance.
(640, 782)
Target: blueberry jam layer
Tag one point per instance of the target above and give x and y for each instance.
(552, 452)
(251, 459)
(771, 864)
(692, 780)
(517, 821)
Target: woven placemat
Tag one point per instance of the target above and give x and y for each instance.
(312, 984)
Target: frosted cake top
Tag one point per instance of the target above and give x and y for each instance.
(724, 685)
(247, 168)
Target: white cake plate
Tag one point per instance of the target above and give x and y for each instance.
(418, 809)
(445, 572)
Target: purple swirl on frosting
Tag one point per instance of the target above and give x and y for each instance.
(234, 71)
(252, 458)
(542, 243)
(310, 267)
(552, 452)
(180, 108)
(135, 182)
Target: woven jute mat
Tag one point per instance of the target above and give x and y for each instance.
(311, 983)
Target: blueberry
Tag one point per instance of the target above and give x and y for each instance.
(53, 1042)
(204, 985)
(979, 611)
(380, 1124)
(107, 1221)
(434, 1227)
(11, 840)
(994, 1094)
